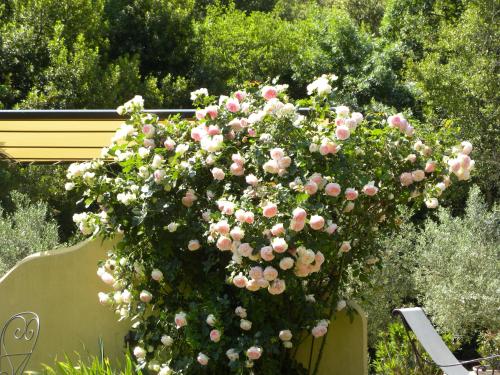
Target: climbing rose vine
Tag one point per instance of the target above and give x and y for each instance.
(236, 228)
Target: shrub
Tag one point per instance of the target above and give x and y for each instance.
(458, 261)
(230, 219)
(25, 231)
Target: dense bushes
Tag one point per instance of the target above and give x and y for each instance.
(25, 231)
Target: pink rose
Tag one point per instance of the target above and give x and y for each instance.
(266, 253)
(249, 217)
(299, 214)
(149, 143)
(202, 359)
(215, 335)
(240, 95)
(240, 215)
(240, 281)
(279, 245)
(297, 226)
(277, 153)
(342, 132)
(194, 245)
(233, 105)
(256, 273)
(317, 178)
(406, 179)
(324, 149)
(251, 180)
(270, 210)
(286, 263)
(284, 162)
(278, 229)
(254, 353)
(224, 243)
(169, 144)
(145, 296)
(148, 130)
(218, 174)
(345, 247)
(319, 258)
(237, 169)
(351, 194)
(235, 124)
(316, 222)
(201, 114)
(430, 166)
(212, 111)
(245, 249)
(276, 287)
(270, 273)
(238, 159)
(180, 319)
(331, 228)
(370, 189)
(237, 233)
(332, 189)
(311, 188)
(157, 275)
(418, 175)
(269, 92)
(213, 130)
(222, 227)
(319, 331)
(466, 147)
(159, 175)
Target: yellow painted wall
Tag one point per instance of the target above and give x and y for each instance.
(61, 286)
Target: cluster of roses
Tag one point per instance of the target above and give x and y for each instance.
(227, 229)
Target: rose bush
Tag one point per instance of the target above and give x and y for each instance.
(237, 227)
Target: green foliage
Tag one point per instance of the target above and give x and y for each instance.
(394, 354)
(458, 261)
(91, 366)
(489, 345)
(458, 80)
(27, 230)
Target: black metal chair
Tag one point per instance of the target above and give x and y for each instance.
(414, 319)
(18, 339)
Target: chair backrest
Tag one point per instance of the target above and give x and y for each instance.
(18, 339)
(418, 322)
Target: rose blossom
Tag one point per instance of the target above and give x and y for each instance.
(418, 175)
(276, 287)
(319, 331)
(245, 325)
(222, 227)
(245, 249)
(224, 243)
(316, 222)
(215, 335)
(218, 174)
(194, 245)
(237, 169)
(254, 352)
(156, 275)
(311, 188)
(169, 144)
(269, 92)
(351, 194)
(297, 226)
(331, 228)
(271, 166)
(406, 179)
(286, 263)
(432, 203)
(140, 353)
(180, 319)
(237, 233)
(299, 214)
(211, 320)
(345, 247)
(256, 273)
(241, 312)
(232, 105)
(266, 253)
(332, 189)
(270, 210)
(285, 335)
(342, 132)
(212, 111)
(270, 273)
(466, 147)
(202, 359)
(251, 180)
(103, 298)
(240, 281)
(370, 189)
(232, 355)
(278, 229)
(430, 166)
